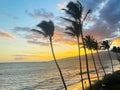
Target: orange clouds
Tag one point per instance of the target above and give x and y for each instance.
(62, 38)
(116, 42)
(5, 34)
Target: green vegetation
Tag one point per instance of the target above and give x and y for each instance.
(109, 82)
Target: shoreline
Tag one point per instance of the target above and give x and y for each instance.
(78, 85)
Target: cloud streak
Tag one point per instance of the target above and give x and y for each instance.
(4, 34)
(9, 15)
(43, 43)
(23, 56)
(40, 13)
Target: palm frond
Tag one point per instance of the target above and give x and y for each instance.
(69, 20)
(89, 11)
(69, 33)
(38, 31)
(89, 41)
(75, 8)
(69, 13)
(71, 29)
(47, 27)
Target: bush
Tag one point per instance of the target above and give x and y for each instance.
(109, 82)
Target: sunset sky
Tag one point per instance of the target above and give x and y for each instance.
(18, 17)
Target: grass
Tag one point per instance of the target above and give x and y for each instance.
(109, 82)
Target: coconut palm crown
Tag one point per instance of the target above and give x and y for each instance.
(96, 47)
(89, 41)
(73, 30)
(74, 9)
(47, 28)
(106, 44)
(48, 31)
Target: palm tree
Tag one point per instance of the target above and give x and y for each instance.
(75, 9)
(74, 31)
(48, 31)
(115, 50)
(89, 42)
(96, 47)
(106, 44)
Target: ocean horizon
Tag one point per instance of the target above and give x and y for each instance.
(45, 76)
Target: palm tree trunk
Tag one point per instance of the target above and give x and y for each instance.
(100, 62)
(110, 60)
(95, 65)
(117, 57)
(87, 66)
(60, 72)
(80, 62)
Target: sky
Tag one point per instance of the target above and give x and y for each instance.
(18, 17)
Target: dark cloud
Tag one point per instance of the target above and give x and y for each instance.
(90, 4)
(20, 58)
(111, 12)
(23, 29)
(5, 35)
(38, 42)
(106, 21)
(40, 13)
(102, 30)
(23, 56)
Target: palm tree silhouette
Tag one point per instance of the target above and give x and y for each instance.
(74, 31)
(48, 31)
(89, 41)
(115, 50)
(75, 9)
(106, 44)
(96, 47)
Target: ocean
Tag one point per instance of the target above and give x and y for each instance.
(44, 75)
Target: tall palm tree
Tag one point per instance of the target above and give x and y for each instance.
(75, 10)
(115, 50)
(48, 31)
(106, 44)
(89, 41)
(96, 47)
(74, 31)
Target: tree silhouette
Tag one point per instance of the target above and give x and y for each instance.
(89, 42)
(74, 31)
(106, 44)
(115, 50)
(96, 47)
(48, 31)
(75, 10)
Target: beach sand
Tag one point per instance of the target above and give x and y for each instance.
(78, 86)
(104, 56)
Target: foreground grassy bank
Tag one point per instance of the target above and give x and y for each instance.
(109, 82)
